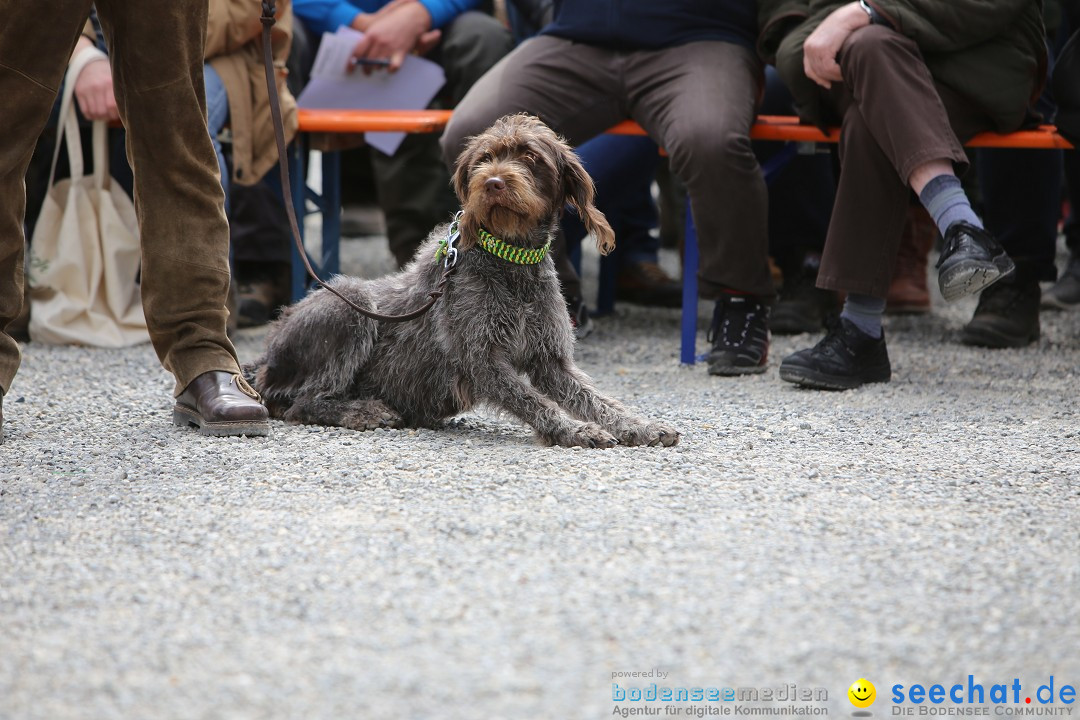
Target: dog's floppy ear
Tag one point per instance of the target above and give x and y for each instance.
(468, 226)
(580, 192)
(465, 161)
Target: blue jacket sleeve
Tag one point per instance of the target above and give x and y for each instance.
(443, 11)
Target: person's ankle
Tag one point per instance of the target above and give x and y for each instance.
(864, 312)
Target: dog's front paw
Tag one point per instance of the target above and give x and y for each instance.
(651, 434)
(588, 435)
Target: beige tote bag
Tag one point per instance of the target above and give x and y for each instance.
(84, 254)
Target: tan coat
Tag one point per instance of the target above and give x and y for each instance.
(234, 50)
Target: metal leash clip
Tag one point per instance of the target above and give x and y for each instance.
(452, 236)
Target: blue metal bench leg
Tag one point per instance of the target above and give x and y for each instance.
(689, 291)
(331, 220)
(298, 185)
(329, 203)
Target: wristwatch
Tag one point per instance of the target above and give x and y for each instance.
(876, 18)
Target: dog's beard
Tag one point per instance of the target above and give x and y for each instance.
(512, 215)
(505, 222)
(500, 213)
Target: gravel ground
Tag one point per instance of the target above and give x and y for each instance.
(913, 532)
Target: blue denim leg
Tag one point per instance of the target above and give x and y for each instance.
(622, 167)
(217, 116)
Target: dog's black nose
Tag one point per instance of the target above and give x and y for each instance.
(494, 184)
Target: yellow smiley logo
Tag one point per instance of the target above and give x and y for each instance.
(862, 693)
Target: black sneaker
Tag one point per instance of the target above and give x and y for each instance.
(802, 307)
(1007, 316)
(970, 260)
(740, 336)
(844, 359)
(1065, 294)
(579, 317)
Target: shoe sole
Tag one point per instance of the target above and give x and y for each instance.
(186, 417)
(735, 370)
(968, 277)
(987, 338)
(805, 377)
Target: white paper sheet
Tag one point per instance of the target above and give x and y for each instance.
(411, 88)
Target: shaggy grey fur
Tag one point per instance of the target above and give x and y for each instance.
(500, 335)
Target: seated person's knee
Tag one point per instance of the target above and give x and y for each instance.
(866, 45)
(711, 147)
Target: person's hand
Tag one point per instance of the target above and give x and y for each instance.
(94, 91)
(823, 45)
(427, 42)
(394, 34)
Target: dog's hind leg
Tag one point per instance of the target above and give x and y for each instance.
(316, 348)
(573, 390)
(349, 413)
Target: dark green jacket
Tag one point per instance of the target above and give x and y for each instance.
(996, 58)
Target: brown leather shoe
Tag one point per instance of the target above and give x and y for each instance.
(221, 403)
(646, 283)
(908, 292)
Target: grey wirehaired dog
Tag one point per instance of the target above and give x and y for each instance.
(500, 335)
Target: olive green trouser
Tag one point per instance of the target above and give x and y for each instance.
(157, 64)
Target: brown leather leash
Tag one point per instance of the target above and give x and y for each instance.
(268, 20)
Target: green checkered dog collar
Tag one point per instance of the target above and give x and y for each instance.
(512, 253)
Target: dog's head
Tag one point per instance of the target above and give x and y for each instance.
(518, 176)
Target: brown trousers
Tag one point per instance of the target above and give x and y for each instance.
(894, 117)
(157, 61)
(697, 101)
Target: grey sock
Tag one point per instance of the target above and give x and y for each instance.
(864, 312)
(944, 198)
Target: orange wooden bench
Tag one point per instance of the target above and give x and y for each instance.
(767, 127)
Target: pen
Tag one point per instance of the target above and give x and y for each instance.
(370, 62)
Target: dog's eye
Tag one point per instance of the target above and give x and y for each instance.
(530, 158)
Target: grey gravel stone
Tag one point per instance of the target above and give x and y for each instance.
(909, 532)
